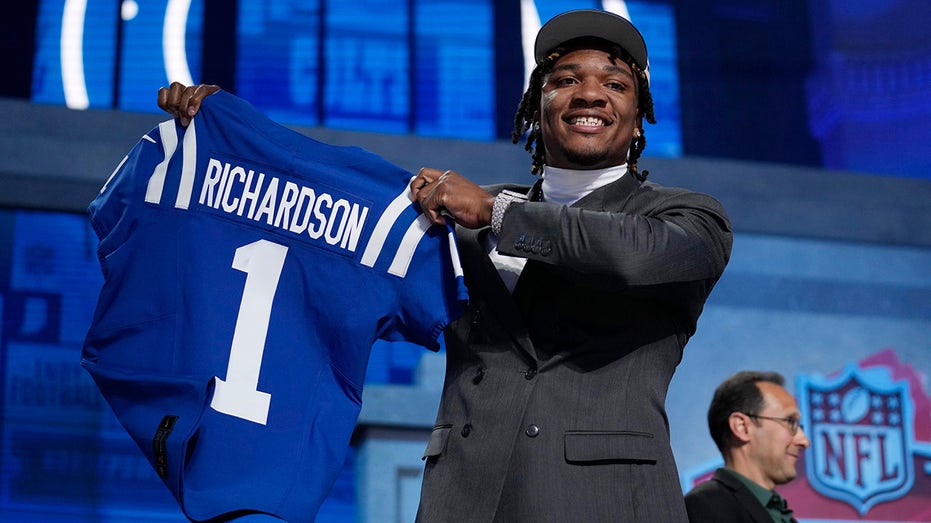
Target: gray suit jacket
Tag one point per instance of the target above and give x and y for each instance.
(724, 499)
(553, 404)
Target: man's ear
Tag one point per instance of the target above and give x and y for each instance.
(740, 426)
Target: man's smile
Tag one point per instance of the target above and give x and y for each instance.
(587, 121)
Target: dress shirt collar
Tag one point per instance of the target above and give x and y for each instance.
(762, 494)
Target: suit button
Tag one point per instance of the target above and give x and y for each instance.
(530, 374)
(520, 242)
(479, 375)
(466, 430)
(532, 431)
(536, 246)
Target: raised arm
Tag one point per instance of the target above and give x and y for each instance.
(183, 101)
(668, 237)
(442, 193)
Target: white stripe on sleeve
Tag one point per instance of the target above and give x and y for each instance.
(377, 241)
(188, 165)
(402, 258)
(153, 192)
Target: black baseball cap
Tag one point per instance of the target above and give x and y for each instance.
(596, 23)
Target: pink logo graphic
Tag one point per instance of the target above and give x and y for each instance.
(870, 455)
(860, 428)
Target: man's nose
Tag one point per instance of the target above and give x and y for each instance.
(802, 438)
(589, 92)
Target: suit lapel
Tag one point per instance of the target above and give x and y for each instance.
(486, 282)
(746, 498)
(611, 197)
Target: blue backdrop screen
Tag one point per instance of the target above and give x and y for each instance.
(423, 67)
(375, 66)
(439, 68)
(75, 60)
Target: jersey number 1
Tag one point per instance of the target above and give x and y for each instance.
(238, 394)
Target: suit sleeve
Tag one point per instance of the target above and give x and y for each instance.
(723, 499)
(702, 508)
(678, 237)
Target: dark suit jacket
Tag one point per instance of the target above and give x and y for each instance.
(724, 499)
(553, 402)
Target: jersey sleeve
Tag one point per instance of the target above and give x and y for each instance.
(113, 206)
(451, 295)
(433, 293)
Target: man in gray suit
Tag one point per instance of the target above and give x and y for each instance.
(754, 421)
(584, 290)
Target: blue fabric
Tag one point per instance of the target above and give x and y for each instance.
(248, 270)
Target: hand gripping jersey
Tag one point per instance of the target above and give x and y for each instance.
(248, 271)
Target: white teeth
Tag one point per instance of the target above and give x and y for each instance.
(587, 120)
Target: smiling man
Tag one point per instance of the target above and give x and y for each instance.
(583, 291)
(582, 134)
(754, 421)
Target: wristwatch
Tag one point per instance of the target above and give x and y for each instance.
(502, 201)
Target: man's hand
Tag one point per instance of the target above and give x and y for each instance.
(448, 192)
(183, 101)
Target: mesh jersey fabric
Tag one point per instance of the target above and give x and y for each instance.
(248, 269)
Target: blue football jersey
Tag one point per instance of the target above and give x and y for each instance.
(248, 271)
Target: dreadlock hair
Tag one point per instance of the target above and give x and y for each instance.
(526, 117)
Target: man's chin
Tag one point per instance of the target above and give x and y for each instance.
(586, 160)
(789, 476)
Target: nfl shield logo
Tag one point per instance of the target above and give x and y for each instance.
(860, 427)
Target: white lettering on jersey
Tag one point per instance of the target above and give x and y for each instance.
(269, 202)
(238, 394)
(244, 193)
(298, 209)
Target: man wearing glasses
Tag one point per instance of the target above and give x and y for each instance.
(754, 421)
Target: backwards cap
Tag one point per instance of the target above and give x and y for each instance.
(592, 23)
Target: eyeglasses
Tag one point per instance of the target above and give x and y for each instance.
(793, 423)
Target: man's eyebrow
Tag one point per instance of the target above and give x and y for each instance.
(607, 68)
(566, 67)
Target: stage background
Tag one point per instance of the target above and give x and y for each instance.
(808, 119)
